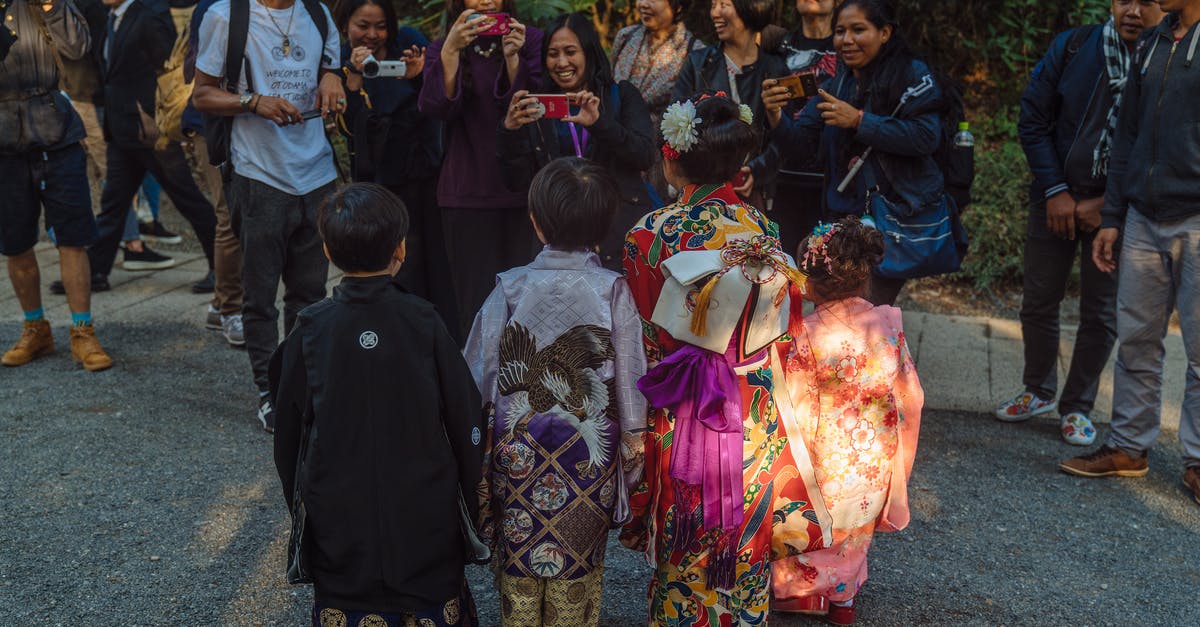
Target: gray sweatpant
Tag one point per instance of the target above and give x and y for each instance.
(279, 241)
(1159, 269)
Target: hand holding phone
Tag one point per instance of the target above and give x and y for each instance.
(799, 85)
(499, 24)
(553, 106)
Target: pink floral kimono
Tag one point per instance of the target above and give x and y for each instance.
(856, 403)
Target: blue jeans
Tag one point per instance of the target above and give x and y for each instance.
(1160, 269)
(150, 192)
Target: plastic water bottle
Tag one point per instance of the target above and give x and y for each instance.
(964, 138)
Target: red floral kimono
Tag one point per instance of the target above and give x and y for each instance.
(857, 406)
(774, 487)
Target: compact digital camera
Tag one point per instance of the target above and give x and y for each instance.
(373, 68)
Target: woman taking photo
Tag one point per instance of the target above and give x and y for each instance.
(856, 110)
(720, 478)
(469, 78)
(609, 125)
(393, 144)
(737, 66)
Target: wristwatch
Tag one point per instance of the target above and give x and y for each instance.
(244, 100)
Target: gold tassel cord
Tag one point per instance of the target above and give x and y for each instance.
(764, 249)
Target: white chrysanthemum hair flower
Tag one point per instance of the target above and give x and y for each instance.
(746, 114)
(679, 126)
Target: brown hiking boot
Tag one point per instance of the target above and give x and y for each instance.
(85, 349)
(1106, 462)
(1191, 479)
(36, 341)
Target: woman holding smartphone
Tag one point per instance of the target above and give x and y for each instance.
(737, 66)
(392, 143)
(470, 75)
(607, 122)
(855, 111)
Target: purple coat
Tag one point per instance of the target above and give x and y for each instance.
(470, 174)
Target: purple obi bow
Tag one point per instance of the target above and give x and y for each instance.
(701, 389)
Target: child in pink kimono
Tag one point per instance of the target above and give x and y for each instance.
(857, 407)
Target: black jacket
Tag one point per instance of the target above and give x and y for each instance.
(142, 44)
(1063, 112)
(1155, 164)
(622, 141)
(395, 437)
(704, 71)
(391, 142)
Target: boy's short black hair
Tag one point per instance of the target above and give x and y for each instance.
(573, 201)
(362, 224)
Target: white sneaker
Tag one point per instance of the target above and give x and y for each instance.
(231, 328)
(266, 415)
(1023, 407)
(1077, 429)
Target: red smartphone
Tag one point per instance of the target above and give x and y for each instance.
(499, 25)
(739, 179)
(554, 106)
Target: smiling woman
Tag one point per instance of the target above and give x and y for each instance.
(606, 122)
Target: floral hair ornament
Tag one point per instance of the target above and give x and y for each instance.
(746, 114)
(679, 129)
(818, 245)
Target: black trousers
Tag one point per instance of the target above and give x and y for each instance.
(426, 269)
(280, 242)
(127, 166)
(482, 243)
(1048, 262)
(796, 210)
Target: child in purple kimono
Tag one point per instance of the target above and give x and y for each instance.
(556, 351)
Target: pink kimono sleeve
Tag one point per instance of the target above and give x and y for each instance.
(910, 399)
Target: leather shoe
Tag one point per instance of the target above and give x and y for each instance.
(205, 285)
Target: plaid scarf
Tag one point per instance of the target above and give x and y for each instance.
(1116, 59)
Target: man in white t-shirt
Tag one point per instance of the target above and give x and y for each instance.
(282, 163)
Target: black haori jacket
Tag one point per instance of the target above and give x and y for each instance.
(395, 436)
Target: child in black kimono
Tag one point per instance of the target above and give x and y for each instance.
(378, 431)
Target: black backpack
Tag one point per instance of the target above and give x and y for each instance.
(219, 128)
(956, 163)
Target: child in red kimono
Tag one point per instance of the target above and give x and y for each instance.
(857, 408)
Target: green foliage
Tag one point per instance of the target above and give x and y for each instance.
(996, 219)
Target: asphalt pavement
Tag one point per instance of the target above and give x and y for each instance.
(146, 495)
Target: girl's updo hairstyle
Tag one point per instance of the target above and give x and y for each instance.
(853, 250)
(725, 142)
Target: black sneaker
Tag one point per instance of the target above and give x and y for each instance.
(99, 284)
(145, 260)
(156, 232)
(205, 285)
(266, 414)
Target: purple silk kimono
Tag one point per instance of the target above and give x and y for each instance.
(556, 351)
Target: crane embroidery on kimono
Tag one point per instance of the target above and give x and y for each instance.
(560, 380)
